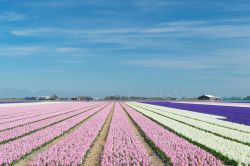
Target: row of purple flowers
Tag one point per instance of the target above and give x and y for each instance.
(239, 115)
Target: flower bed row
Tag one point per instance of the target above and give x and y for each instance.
(234, 114)
(216, 120)
(228, 150)
(122, 146)
(179, 151)
(72, 149)
(18, 111)
(234, 135)
(20, 131)
(40, 111)
(47, 114)
(17, 149)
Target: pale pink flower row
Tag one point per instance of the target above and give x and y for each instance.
(39, 116)
(8, 112)
(18, 131)
(16, 149)
(71, 150)
(122, 146)
(180, 151)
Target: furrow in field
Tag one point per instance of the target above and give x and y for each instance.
(93, 156)
(231, 152)
(155, 159)
(18, 149)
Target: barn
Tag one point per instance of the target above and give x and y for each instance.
(208, 97)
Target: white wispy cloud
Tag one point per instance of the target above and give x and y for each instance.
(11, 16)
(228, 61)
(180, 64)
(38, 32)
(50, 31)
(51, 70)
(209, 28)
(70, 62)
(227, 28)
(34, 50)
(20, 50)
(70, 3)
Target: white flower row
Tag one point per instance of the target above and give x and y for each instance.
(226, 132)
(186, 112)
(231, 149)
(201, 116)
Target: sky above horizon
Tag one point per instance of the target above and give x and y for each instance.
(133, 47)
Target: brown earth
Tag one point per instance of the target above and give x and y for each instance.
(155, 160)
(93, 156)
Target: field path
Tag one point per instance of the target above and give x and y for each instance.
(92, 158)
(154, 158)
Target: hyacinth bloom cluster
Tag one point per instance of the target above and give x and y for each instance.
(43, 113)
(228, 148)
(54, 118)
(122, 146)
(179, 151)
(234, 114)
(16, 149)
(71, 150)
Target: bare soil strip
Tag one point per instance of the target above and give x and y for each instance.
(155, 160)
(25, 160)
(93, 156)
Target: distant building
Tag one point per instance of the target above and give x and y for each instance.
(54, 97)
(247, 98)
(75, 98)
(30, 98)
(82, 98)
(208, 97)
(44, 98)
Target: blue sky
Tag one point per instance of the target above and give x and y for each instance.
(133, 47)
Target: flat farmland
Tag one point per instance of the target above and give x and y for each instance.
(123, 133)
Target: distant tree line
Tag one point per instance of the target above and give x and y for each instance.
(127, 98)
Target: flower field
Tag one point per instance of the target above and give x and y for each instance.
(123, 133)
(237, 114)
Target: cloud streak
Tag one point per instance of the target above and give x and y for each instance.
(34, 50)
(11, 16)
(227, 61)
(233, 28)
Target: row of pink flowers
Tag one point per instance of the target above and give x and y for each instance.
(22, 113)
(18, 131)
(122, 146)
(40, 115)
(177, 149)
(17, 111)
(71, 150)
(14, 150)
